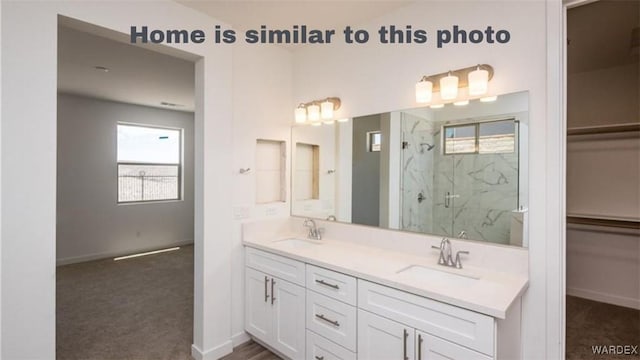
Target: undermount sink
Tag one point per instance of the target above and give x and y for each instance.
(428, 274)
(298, 243)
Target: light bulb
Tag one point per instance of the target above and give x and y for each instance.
(478, 81)
(424, 90)
(449, 87)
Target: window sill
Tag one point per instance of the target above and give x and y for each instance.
(148, 202)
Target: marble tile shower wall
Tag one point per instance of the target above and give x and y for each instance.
(482, 189)
(484, 192)
(420, 137)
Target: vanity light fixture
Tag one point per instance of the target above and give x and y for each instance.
(301, 114)
(313, 112)
(461, 103)
(424, 90)
(449, 87)
(478, 81)
(476, 78)
(317, 111)
(437, 106)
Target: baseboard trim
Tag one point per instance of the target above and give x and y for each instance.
(212, 354)
(240, 338)
(605, 298)
(111, 254)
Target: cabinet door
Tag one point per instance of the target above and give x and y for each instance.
(383, 339)
(429, 347)
(258, 313)
(288, 318)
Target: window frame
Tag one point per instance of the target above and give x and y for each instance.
(477, 125)
(180, 188)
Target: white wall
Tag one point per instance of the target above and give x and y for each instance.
(603, 264)
(90, 222)
(29, 169)
(376, 78)
(262, 109)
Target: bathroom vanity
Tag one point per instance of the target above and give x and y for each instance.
(343, 299)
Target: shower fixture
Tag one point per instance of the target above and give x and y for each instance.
(429, 147)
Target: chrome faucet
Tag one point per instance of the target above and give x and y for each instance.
(445, 258)
(462, 234)
(315, 233)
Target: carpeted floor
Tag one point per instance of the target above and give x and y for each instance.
(591, 323)
(133, 309)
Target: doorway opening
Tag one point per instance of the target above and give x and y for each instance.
(125, 199)
(603, 173)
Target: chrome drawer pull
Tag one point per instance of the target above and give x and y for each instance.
(319, 357)
(332, 322)
(322, 282)
(404, 344)
(266, 282)
(273, 295)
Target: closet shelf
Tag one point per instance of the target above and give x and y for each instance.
(607, 129)
(624, 224)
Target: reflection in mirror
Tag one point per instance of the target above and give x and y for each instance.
(457, 171)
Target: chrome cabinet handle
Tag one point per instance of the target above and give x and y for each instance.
(319, 357)
(273, 296)
(419, 347)
(404, 344)
(322, 282)
(447, 200)
(332, 322)
(266, 282)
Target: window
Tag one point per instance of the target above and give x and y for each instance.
(149, 163)
(493, 137)
(374, 139)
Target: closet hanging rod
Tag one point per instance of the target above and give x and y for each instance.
(624, 224)
(607, 129)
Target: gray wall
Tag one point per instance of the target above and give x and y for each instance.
(365, 207)
(90, 223)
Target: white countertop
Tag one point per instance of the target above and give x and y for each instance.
(491, 294)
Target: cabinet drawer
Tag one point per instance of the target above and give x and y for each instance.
(332, 319)
(275, 265)
(461, 326)
(319, 348)
(434, 348)
(332, 284)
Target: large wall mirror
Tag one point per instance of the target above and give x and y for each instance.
(455, 171)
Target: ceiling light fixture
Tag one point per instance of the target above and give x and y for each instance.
(476, 78)
(317, 111)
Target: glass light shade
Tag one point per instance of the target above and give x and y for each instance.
(326, 108)
(478, 82)
(301, 115)
(424, 91)
(448, 87)
(313, 112)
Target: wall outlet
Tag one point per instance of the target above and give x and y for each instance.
(271, 211)
(240, 212)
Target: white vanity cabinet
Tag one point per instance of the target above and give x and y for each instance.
(274, 307)
(308, 312)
